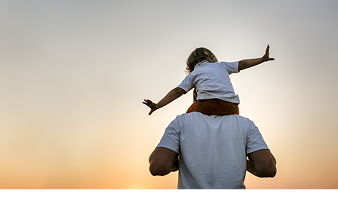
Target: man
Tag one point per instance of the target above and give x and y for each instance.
(212, 151)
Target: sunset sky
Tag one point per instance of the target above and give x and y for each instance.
(74, 73)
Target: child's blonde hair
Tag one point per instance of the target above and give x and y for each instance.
(199, 55)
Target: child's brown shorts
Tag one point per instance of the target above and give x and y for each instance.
(214, 107)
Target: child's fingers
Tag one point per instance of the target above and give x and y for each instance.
(151, 112)
(147, 102)
(267, 50)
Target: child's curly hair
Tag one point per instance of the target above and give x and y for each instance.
(199, 55)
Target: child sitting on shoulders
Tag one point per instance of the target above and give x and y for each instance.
(213, 91)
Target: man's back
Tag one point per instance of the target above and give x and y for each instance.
(212, 149)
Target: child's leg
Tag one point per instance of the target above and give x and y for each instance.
(214, 107)
(228, 108)
(195, 107)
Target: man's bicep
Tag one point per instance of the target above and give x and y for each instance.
(163, 154)
(261, 156)
(264, 162)
(161, 161)
(162, 158)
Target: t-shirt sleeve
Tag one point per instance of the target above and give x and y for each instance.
(188, 83)
(231, 67)
(171, 137)
(255, 140)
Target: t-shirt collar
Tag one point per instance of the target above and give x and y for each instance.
(201, 63)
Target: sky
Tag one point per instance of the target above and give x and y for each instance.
(73, 75)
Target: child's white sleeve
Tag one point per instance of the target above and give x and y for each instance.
(188, 83)
(231, 67)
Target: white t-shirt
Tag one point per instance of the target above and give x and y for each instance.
(212, 149)
(212, 81)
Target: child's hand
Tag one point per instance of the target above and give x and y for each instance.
(266, 56)
(150, 104)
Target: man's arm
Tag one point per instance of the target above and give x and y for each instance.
(247, 63)
(163, 161)
(262, 163)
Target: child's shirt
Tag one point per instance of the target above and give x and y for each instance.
(212, 81)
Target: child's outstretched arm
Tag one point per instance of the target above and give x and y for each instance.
(171, 96)
(244, 64)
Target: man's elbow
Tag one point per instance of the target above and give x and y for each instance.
(159, 169)
(267, 172)
(154, 171)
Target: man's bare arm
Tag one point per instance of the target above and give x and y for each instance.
(262, 163)
(163, 161)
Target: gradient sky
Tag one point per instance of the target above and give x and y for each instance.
(73, 75)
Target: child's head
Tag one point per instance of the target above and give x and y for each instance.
(199, 55)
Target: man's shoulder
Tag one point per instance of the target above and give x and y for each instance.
(199, 116)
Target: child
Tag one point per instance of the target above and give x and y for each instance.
(213, 91)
